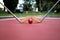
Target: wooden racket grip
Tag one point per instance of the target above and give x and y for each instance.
(36, 19)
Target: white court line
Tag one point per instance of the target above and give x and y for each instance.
(23, 17)
(10, 19)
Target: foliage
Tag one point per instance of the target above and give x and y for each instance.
(11, 4)
(44, 4)
(47, 4)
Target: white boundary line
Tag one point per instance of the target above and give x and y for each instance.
(23, 17)
(10, 19)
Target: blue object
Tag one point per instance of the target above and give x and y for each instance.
(21, 9)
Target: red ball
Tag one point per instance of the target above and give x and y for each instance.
(30, 21)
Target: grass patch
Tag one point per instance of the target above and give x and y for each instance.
(51, 14)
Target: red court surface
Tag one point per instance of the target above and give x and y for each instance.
(49, 29)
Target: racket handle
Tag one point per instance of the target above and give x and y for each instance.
(24, 19)
(36, 19)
